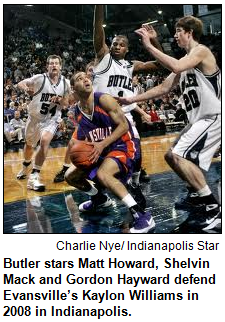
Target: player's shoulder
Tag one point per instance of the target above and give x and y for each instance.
(37, 77)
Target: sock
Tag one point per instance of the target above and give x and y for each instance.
(204, 191)
(66, 165)
(35, 171)
(26, 163)
(129, 201)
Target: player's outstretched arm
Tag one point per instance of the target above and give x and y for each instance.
(196, 55)
(170, 82)
(101, 49)
(152, 38)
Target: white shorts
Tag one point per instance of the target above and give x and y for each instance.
(131, 120)
(199, 143)
(34, 130)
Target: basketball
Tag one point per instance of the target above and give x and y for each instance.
(80, 153)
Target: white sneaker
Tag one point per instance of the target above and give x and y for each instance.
(33, 182)
(24, 172)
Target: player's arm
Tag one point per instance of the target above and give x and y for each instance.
(136, 108)
(26, 85)
(146, 116)
(110, 105)
(150, 65)
(101, 49)
(195, 57)
(169, 83)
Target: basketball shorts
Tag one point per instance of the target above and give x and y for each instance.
(124, 160)
(199, 143)
(34, 130)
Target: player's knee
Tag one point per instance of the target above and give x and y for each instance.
(169, 157)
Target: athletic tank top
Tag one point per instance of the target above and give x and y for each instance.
(41, 107)
(114, 77)
(201, 94)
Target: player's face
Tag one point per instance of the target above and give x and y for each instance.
(118, 48)
(82, 83)
(181, 37)
(54, 67)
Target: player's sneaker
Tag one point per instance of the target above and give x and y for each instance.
(143, 223)
(191, 201)
(137, 194)
(208, 216)
(94, 203)
(34, 183)
(24, 172)
(60, 176)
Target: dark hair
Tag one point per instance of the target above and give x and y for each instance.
(124, 37)
(72, 79)
(189, 23)
(54, 57)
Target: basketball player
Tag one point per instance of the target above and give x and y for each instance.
(200, 83)
(101, 121)
(113, 75)
(60, 176)
(44, 116)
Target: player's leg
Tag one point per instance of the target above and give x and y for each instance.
(45, 132)
(193, 151)
(60, 176)
(110, 167)
(80, 179)
(134, 184)
(34, 182)
(30, 139)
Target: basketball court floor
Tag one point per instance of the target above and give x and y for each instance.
(56, 209)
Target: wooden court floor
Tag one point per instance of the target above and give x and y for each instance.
(56, 209)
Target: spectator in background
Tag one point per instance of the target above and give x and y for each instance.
(10, 133)
(17, 123)
(154, 114)
(180, 114)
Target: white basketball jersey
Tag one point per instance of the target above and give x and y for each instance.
(114, 77)
(41, 108)
(201, 94)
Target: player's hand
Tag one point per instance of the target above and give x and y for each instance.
(151, 31)
(29, 90)
(98, 147)
(124, 100)
(145, 38)
(56, 99)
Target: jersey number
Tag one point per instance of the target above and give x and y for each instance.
(191, 100)
(45, 107)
